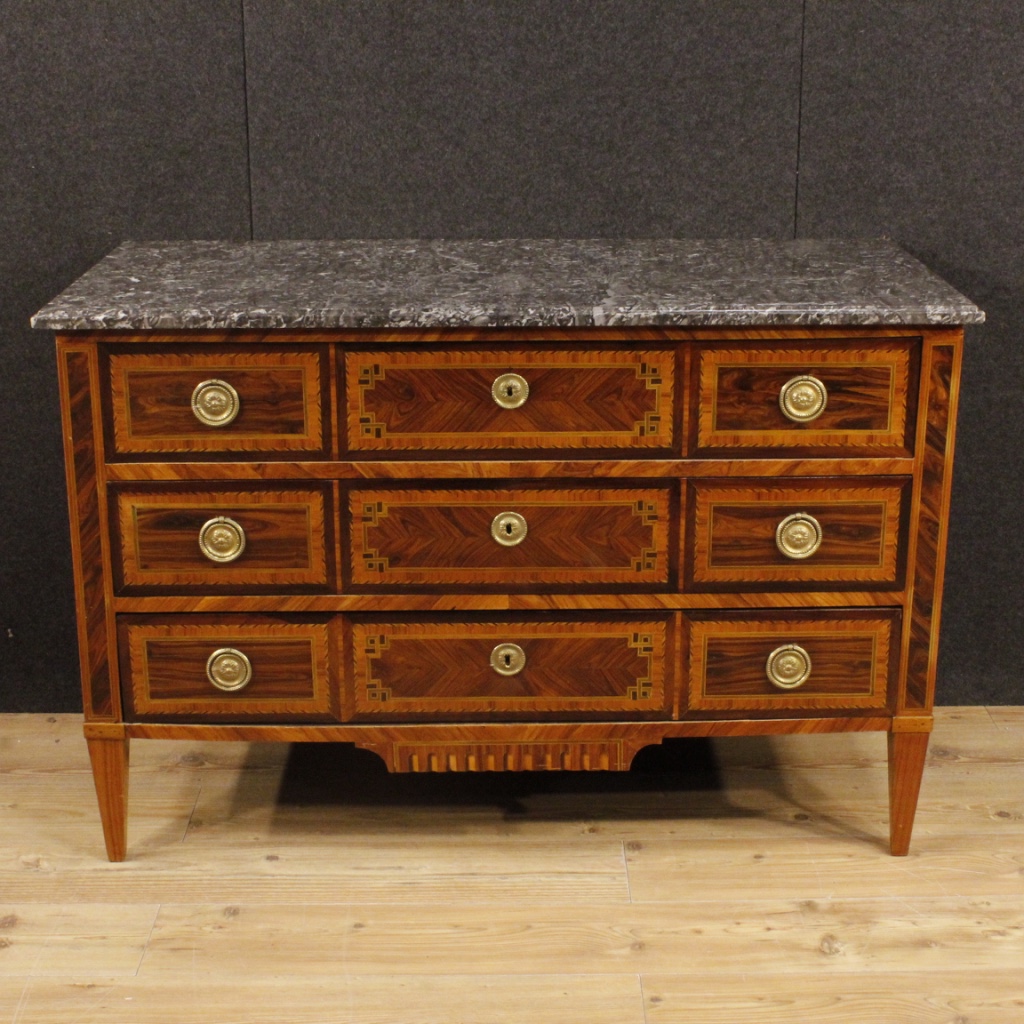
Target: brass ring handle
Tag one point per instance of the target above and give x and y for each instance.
(798, 535)
(215, 403)
(508, 659)
(508, 529)
(803, 399)
(510, 390)
(228, 669)
(788, 667)
(221, 539)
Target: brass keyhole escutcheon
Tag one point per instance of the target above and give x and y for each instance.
(508, 659)
(788, 667)
(510, 390)
(508, 529)
(798, 535)
(228, 669)
(215, 403)
(221, 539)
(803, 399)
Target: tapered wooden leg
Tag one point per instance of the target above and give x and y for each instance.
(110, 773)
(907, 752)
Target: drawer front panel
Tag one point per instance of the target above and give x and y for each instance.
(844, 657)
(172, 540)
(166, 666)
(522, 537)
(825, 534)
(437, 670)
(866, 400)
(279, 394)
(427, 401)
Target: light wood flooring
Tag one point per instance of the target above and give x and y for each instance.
(730, 882)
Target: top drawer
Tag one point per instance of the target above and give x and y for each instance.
(813, 398)
(205, 400)
(459, 400)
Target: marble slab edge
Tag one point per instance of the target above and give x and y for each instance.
(386, 284)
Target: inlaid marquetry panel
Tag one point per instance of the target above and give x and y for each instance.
(588, 536)
(433, 400)
(284, 539)
(869, 403)
(848, 654)
(743, 534)
(416, 670)
(281, 400)
(165, 668)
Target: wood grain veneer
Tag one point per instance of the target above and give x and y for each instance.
(869, 385)
(441, 669)
(733, 528)
(287, 535)
(615, 538)
(280, 396)
(441, 399)
(652, 465)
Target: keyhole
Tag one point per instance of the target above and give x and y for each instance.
(509, 390)
(508, 660)
(508, 529)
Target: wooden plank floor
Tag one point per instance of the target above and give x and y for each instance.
(733, 882)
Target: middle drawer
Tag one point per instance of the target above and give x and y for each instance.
(513, 537)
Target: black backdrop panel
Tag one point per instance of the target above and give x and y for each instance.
(533, 117)
(526, 118)
(118, 120)
(913, 126)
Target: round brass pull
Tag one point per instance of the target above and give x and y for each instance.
(510, 390)
(228, 669)
(508, 528)
(798, 535)
(788, 667)
(215, 403)
(221, 539)
(508, 659)
(803, 399)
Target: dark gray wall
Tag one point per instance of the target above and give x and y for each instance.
(350, 118)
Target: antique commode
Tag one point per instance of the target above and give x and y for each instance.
(511, 504)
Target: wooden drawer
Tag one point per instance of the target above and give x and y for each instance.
(869, 393)
(167, 663)
(850, 654)
(281, 400)
(442, 670)
(531, 537)
(824, 534)
(442, 400)
(255, 539)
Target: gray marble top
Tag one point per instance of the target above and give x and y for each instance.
(505, 283)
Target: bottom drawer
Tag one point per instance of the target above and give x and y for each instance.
(416, 670)
(225, 668)
(791, 661)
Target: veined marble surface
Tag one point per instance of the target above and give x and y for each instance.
(505, 283)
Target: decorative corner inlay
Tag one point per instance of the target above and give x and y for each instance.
(647, 511)
(374, 646)
(368, 378)
(643, 644)
(646, 561)
(650, 375)
(649, 425)
(373, 513)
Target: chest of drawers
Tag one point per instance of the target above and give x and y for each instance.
(526, 506)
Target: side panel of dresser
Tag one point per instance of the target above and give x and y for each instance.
(936, 432)
(80, 390)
